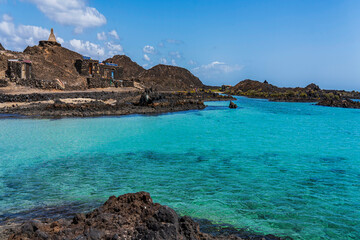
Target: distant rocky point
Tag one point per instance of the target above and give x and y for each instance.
(1, 47)
(311, 93)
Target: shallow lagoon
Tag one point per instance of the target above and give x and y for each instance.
(289, 169)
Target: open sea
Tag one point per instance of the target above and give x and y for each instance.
(288, 169)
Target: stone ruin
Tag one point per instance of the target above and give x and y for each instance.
(45, 66)
(101, 75)
(18, 69)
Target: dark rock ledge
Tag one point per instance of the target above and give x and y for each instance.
(130, 216)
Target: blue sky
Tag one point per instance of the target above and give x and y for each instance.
(286, 42)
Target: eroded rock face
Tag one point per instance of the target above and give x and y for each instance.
(55, 63)
(165, 77)
(1, 47)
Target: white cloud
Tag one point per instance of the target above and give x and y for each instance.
(33, 31)
(71, 12)
(175, 54)
(145, 65)
(7, 18)
(192, 62)
(114, 49)
(163, 61)
(114, 34)
(217, 67)
(149, 49)
(146, 58)
(173, 62)
(7, 28)
(101, 36)
(60, 40)
(18, 37)
(87, 48)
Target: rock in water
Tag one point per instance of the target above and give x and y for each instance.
(232, 105)
(130, 216)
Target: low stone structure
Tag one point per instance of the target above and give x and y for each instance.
(18, 69)
(100, 75)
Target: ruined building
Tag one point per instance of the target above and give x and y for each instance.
(50, 66)
(18, 69)
(100, 75)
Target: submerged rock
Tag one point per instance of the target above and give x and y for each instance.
(130, 216)
(232, 105)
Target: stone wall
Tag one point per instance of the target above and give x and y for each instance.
(42, 84)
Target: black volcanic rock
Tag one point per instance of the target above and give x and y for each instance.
(130, 216)
(343, 103)
(248, 84)
(232, 105)
(313, 86)
(1, 47)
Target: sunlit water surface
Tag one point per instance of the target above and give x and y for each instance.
(289, 169)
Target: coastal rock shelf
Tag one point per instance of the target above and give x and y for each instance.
(90, 104)
(130, 216)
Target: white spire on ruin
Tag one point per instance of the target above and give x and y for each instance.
(52, 37)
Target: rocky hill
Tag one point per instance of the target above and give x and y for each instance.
(164, 77)
(54, 67)
(131, 69)
(161, 77)
(1, 47)
(53, 63)
(248, 84)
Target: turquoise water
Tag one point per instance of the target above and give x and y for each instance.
(289, 169)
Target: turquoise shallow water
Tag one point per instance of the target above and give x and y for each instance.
(289, 169)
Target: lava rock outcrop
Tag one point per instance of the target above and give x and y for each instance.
(130, 216)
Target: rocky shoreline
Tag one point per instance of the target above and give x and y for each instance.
(93, 104)
(130, 216)
(342, 103)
